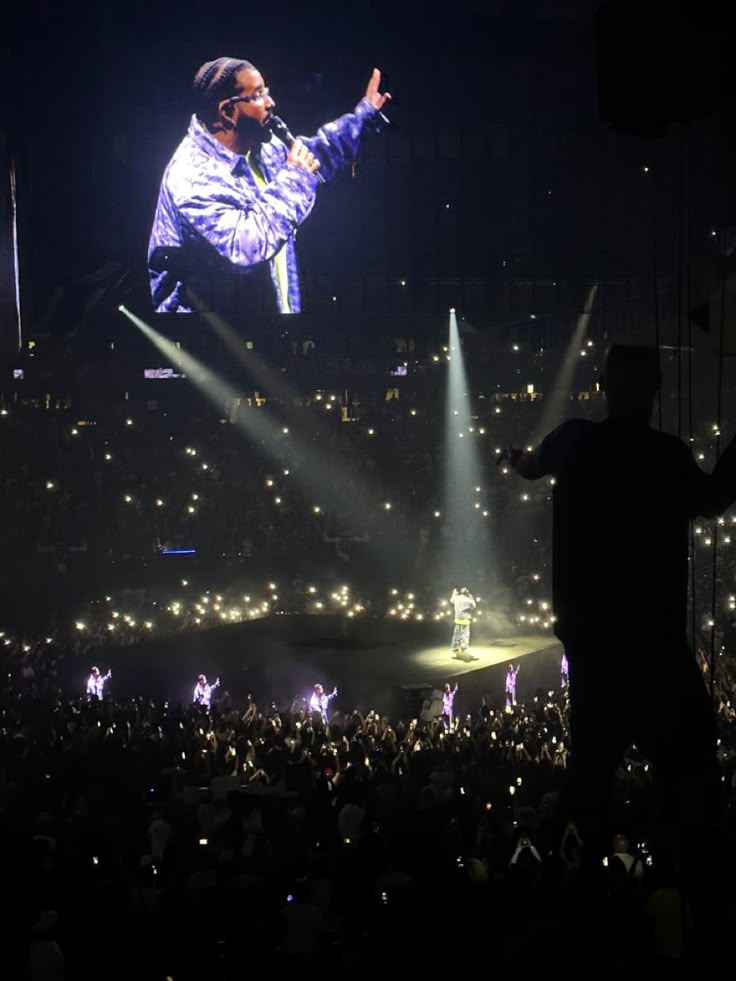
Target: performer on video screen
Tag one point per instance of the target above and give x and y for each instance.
(234, 194)
(319, 702)
(203, 691)
(463, 605)
(96, 683)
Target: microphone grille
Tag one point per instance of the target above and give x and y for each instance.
(279, 127)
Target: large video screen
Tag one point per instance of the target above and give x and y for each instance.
(238, 188)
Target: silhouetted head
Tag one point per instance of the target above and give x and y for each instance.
(631, 380)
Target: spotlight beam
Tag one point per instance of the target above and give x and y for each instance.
(556, 404)
(319, 477)
(463, 485)
(332, 470)
(275, 384)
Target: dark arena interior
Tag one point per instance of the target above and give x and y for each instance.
(367, 470)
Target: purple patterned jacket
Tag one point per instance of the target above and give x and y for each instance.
(212, 214)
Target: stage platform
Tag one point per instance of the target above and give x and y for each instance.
(372, 662)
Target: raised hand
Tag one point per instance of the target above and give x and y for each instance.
(377, 99)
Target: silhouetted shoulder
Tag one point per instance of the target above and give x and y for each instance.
(674, 445)
(557, 446)
(672, 455)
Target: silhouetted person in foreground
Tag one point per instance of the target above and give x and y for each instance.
(623, 496)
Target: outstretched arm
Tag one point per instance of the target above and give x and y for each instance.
(551, 453)
(337, 144)
(526, 463)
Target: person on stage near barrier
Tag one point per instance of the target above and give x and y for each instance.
(234, 194)
(511, 674)
(564, 671)
(623, 496)
(203, 692)
(463, 605)
(448, 703)
(319, 702)
(96, 683)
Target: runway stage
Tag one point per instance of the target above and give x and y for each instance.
(370, 661)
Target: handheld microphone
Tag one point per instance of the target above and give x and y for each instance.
(280, 129)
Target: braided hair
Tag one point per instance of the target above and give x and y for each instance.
(215, 81)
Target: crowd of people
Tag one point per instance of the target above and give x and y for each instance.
(196, 838)
(96, 507)
(128, 486)
(108, 502)
(190, 840)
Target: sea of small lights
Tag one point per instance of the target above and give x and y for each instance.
(210, 608)
(103, 619)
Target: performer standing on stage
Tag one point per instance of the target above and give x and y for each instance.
(96, 683)
(203, 691)
(448, 703)
(511, 684)
(319, 702)
(564, 672)
(233, 197)
(463, 604)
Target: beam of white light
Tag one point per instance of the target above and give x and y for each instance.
(273, 382)
(215, 388)
(16, 255)
(463, 470)
(323, 479)
(555, 403)
(304, 424)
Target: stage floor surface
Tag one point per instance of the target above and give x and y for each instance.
(370, 661)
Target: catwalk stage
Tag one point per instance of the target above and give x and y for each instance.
(375, 664)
